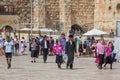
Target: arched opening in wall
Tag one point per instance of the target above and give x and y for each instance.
(77, 29)
(7, 30)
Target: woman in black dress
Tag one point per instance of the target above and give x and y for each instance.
(34, 51)
(80, 49)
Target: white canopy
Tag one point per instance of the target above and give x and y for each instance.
(35, 29)
(94, 32)
(25, 29)
(55, 30)
(46, 30)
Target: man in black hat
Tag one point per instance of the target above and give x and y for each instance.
(70, 48)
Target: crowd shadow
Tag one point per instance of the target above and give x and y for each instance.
(45, 63)
(17, 68)
(72, 69)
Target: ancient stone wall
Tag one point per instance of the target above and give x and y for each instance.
(82, 13)
(106, 14)
(65, 13)
(16, 7)
(62, 14)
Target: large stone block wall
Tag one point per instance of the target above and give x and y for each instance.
(106, 14)
(9, 20)
(16, 7)
(67, 13)
(101, 14)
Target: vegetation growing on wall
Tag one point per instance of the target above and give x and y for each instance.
(109, 8)
(118, 7)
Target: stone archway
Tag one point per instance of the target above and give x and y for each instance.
(6, 29)
(77, 29)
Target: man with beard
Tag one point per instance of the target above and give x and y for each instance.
(69, 50)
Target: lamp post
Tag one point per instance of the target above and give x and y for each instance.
(31, 15)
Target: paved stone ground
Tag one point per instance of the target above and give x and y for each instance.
(84, 69)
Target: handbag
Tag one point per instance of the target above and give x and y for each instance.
(97, 60)
(25, 46)
(65, 58)
(1, 52)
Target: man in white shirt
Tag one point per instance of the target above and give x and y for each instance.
(8, 45)
(45, 47)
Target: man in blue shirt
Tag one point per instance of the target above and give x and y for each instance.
(63, 40)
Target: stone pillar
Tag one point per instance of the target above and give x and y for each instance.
(65, 15)
(62, 15)
(42, 13)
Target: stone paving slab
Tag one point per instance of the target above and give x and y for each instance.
(84, 69)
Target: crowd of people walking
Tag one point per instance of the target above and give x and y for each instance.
(64, 49)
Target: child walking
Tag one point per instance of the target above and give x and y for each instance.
(58, 50)
(22, 48)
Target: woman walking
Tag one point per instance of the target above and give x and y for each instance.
(108, 55)
(58, 51)
(16, 41)
(101, 52)
(51, 41)
(93, 47)
(34, 51)
(80, 49)
(22, 48)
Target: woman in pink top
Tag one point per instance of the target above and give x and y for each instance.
(108, 55)
(58, 50)
(101, 52)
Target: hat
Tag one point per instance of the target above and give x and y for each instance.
(70, 36)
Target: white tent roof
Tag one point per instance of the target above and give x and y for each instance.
(25, 29)
(35, 29)
(94, 32)
(46, 30)
(55, 30)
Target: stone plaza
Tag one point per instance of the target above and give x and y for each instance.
(84, 69)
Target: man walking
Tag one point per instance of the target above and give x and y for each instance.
(70, 48)
(45, 47)
(8, 45)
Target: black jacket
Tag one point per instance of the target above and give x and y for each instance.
(43, 44)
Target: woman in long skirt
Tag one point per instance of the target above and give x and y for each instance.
(108, 55)
(101, 52)
(22, 48)
(80, 49)
(34, 51)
